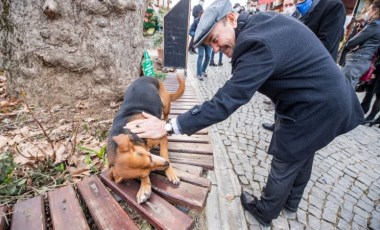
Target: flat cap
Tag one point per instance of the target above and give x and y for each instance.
(213, 14)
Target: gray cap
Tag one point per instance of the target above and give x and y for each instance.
(213, 14)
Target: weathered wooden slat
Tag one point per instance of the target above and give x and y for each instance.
(190, 148)
(182, 147)
(65, 208)
(201, 162)
(192, 139)
(189, 97)
(181, 107)
(193, 156)
(196, 170)
(156, 210)
(29, 214)
(104, 209)
(187, 100)
(193, 179)
(3, 217)
(184, 194)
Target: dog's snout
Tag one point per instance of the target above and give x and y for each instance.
(166, 164)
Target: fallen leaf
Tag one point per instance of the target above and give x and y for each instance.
(3, 141)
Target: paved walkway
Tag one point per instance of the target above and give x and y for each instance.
(344, 190)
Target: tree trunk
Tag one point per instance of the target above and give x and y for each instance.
(62, 52)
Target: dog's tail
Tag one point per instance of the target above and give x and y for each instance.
(181, 89)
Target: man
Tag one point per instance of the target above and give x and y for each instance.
(326, 19)
(314, 101)
(253, 7)
(197, 9)
(289, 8)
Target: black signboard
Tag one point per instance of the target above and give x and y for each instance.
(176, 26)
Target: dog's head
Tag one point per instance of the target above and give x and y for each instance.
(134, 161)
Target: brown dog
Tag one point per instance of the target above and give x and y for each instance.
(128, 155)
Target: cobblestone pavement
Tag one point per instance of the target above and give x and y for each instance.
(344, 189)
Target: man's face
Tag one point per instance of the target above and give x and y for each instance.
(253, 5)
(288, 7)
(288, 3)
(222, 37)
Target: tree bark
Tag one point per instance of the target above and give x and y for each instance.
(59, 52)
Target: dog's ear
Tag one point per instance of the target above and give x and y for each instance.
(122, 142)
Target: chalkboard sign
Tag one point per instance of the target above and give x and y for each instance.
(176, 26)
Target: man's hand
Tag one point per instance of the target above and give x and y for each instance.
(151, 127)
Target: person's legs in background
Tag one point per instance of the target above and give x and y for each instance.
(371, 118)
(201, 54)
(220, 59)
(191, 46)
(212, 63)
(207, 51)
(366, 103)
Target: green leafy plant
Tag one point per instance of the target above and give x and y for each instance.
(160, 75)
(9, 185)
(91, 154)
(158, 38)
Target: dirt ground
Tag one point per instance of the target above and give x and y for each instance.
(43, 149)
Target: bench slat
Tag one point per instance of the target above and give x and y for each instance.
(3, 216)
(156, 210)
(186, 103)
(193, 179)
(200, 163)
(184, 194)
(104, 209)
(193, 138)
(29, 214)
(65, 208)
(196, 170)
(190, 148)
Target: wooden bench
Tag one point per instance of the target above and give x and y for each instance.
(189, 156)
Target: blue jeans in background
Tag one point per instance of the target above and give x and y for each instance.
(204, 53)
(220, 57)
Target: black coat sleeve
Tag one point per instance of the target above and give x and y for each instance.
(251, 69)
(331, 26)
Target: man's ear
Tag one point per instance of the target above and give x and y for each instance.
(232, 18)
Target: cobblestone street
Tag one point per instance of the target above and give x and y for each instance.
(344, 190)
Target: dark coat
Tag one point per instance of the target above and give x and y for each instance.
(358, 60)
(282, 59)
(326, 20)
(197, 10)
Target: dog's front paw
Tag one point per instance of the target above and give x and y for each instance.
(143, 194)
(171, 175)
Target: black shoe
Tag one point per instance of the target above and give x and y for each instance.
(268, 102)
(212, 64)
(220, 63)
(192, 52)
(249, 202)
(268, 126)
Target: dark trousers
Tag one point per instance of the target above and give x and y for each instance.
(191, 45)
(285, 186)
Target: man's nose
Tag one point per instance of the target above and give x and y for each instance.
(215, 48)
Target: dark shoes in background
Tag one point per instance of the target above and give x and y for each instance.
(268, 126)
